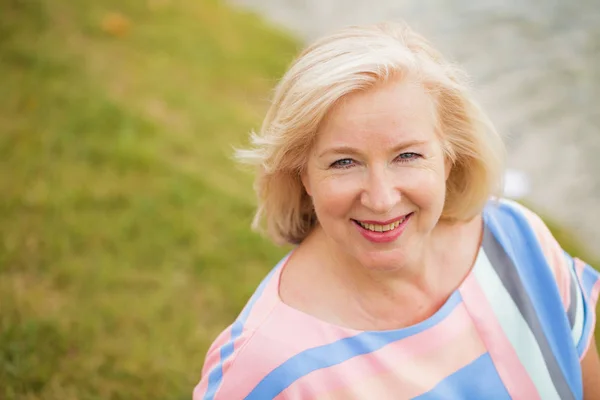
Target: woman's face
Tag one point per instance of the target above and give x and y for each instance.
(377, 175)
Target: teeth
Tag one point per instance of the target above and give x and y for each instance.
(382, 228)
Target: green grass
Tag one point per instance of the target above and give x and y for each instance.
(125, 245)
(124, 239)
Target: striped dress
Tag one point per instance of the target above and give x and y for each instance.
(517, 327)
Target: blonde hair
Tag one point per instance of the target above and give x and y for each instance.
(355, 59)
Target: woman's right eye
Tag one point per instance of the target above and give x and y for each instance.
(343, 163)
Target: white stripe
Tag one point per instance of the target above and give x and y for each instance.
(577, 330)
(515, 327)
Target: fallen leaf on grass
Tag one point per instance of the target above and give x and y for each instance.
(116, 24)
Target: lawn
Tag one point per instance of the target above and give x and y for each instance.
(124, 224)
(125, 245)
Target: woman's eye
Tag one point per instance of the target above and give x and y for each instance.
(404, 157)
(343, 163)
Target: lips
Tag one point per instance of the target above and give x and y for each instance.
(382, 231)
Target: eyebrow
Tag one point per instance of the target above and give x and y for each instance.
(349, 150)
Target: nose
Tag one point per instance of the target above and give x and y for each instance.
(380, 193)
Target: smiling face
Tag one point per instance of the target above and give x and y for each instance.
(377, 175)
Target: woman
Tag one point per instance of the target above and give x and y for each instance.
(407, 280)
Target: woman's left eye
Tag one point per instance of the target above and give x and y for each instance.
(404, 157)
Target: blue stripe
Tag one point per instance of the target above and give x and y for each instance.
(555, 386)
(216, 375)
(589, 277)
(337, 352)
(475, 381)
(512, 230)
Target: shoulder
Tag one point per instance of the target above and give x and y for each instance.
(527, 238)
(550, 275)
(262, 362)
(525, 235)
(535, 260)
(263, 337)
(236, 362)
(507, 215)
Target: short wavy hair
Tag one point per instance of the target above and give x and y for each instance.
(355, 59)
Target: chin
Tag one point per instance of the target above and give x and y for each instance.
(382, 260)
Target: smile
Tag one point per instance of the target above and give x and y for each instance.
(382, 231)
(381, 228)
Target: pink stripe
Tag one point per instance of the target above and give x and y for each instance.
(403, 369)
(592, 301)
(280, 337)
(595, 293)
(213, 356)
(200, 390)
(553, 252)
(260, 310)
(511, 371)
(264, 304)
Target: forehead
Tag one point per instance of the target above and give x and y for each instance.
(392, 111)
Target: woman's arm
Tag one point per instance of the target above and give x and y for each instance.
(590, 367)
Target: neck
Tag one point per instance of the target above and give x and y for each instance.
(418, 286)
(415, 270)
(374, 295)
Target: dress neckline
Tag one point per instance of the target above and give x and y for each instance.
(451, 302)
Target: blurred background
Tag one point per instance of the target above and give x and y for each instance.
(125, 245)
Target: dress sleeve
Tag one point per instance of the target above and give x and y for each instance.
(578, 284)
(213, 370)
(218, 381)
(238, 362)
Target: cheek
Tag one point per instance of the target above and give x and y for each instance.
(425, 188)
(334, 196)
